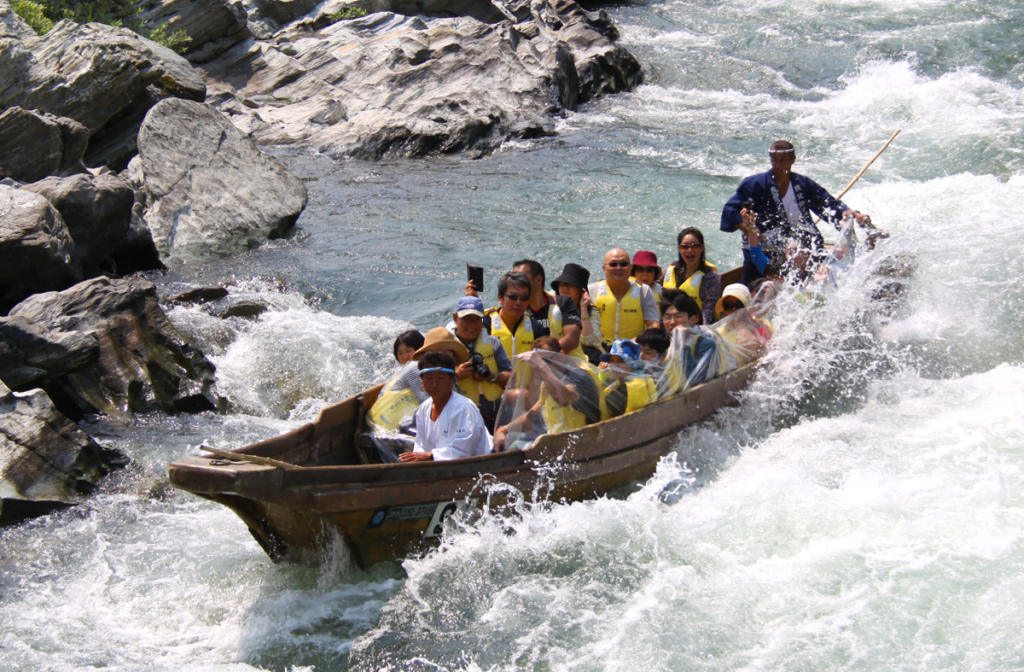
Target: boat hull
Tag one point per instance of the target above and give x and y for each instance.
(387, 512)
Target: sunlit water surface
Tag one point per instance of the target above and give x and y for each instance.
(861, 509)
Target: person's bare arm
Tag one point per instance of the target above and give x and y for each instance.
(571, 340)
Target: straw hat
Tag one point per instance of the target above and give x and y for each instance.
(442, 339)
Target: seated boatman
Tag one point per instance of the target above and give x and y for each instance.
(782, 204)
(627, 307)
(569, 398)
(483, 389)
(552, 314)
(448, 426)
(626, 387)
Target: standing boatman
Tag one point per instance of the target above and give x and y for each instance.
(782, 205)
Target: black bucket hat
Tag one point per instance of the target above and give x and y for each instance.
(572, 274)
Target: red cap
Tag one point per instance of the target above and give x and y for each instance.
(645, 258)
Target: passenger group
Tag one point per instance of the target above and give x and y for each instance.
(550, 360)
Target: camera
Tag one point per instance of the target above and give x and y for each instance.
(479, 368)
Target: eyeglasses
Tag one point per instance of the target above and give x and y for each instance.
(645, 269)
(690, 246)
(618, 264)
(672, 317)
(517, 297)
(732, 305)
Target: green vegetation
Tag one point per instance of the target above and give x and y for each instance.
(43, 14)
(347, 13)
(34, 15)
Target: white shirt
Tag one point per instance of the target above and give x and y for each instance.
(458, 432)
(792, 209)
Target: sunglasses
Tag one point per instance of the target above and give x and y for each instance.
(731, 305)
(517, 297)
(645, 269)
(618, 264)
(690, 246)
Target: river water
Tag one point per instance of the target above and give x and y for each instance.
(862, 509)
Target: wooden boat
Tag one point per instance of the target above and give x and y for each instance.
(327, 484)
(298, 491)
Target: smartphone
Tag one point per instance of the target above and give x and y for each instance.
(475, 274)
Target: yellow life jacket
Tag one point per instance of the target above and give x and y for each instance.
(691, 285)
(473, 389)
(392, 407)
(566, 418)
(623, 319)
(640, 391)
(514, 344)
(673, 378)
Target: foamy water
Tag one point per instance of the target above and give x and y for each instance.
(861, 509)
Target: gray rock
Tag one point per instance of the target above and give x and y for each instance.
(397, 85)
(30, 355)
(204, 21)
(34, 145)
(45, 460)
(136, 251)
(90, 72)
(36, 251)
(210, 190)
(12, 25)
(142, 363)
(97, 211)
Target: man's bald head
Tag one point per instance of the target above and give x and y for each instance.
(617, 267)
(616, 253)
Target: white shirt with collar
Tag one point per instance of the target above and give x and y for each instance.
(458, 432)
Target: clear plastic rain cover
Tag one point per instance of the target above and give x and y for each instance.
(551, 392)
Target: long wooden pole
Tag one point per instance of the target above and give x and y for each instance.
(255, 459)
(868, 164)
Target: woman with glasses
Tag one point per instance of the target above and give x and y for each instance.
(693, 274)
(647, 271)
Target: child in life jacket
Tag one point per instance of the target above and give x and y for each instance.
(627, 386)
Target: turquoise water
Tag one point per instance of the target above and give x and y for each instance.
(860, 510)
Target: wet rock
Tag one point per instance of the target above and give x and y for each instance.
(201, 295)
(388, 84)
(35, 145)
(90, 72)
(36, 251)
(142, 363)
(96, 209)
(46, 462)
(211, 192)
(243, 309)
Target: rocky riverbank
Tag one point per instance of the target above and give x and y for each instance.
(118, 155)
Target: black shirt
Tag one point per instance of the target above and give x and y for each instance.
(570, 315)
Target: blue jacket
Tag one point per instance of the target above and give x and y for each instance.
(772, 221)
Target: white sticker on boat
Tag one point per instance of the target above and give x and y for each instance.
(441, 513)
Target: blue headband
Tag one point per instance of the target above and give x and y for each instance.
(437, 368)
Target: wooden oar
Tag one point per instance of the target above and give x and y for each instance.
(255, 459)
(868, 164)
